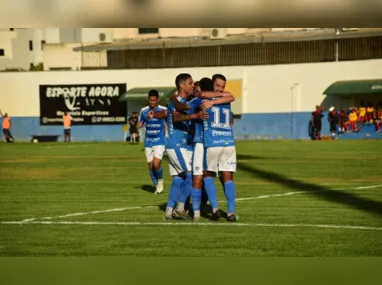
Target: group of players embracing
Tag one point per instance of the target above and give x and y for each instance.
(200, 144)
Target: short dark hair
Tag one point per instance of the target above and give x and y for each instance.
(197, 83)
(181, 78)
(154, 93)
(206, 84)
(218, 76)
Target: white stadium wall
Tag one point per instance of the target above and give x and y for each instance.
(276, 100)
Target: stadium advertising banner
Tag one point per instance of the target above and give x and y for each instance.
(88, 104)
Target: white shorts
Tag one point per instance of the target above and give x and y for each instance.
(179, 161)
(155, 151)
(221, 159)
(197, 159)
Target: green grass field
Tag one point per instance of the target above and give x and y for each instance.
(295, 198)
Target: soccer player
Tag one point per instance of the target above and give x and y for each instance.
(220, 155)
(179, 158)
(155, 139)
(220, 81)
(194, 106)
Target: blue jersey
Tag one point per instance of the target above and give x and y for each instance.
(217, 128)
(197, 125)
(177, 131)
(155, 128)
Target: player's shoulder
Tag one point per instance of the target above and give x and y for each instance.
(144, 109)
(161, 107)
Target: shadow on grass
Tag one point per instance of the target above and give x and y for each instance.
(147, 188)
(322, 192)
(248, 156)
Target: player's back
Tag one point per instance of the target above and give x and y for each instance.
(177, 131)
(155, 128)
(217, 128)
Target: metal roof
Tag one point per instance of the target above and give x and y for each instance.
(260, 37)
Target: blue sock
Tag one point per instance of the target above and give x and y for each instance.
(153, 178)
(158, 173)
(210, 186)
(186, 189)
(230, 194)
(175, 189)
(196, 196)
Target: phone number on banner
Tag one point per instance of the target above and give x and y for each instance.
(107, 119)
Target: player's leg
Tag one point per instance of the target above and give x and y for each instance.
(211, 158)
(227, 165)
(157, 167)
(184, 161)
(149, 152)
(190, 152)
(176, 184)
(197, 179)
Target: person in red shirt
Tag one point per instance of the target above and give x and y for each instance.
(316, 122)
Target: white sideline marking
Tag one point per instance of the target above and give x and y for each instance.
(369, 187)
(88, 213)
(65, 146)
(164, 224)
(148, 207)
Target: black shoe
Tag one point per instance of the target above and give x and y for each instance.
(231, 218)
(215, 216)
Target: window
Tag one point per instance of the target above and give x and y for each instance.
(30, 45)
(11, 29)
(148, 30)
(42, 45)
(1, 52)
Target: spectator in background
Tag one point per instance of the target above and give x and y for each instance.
(352, 121)
(362, 113)
(333, 121)
(133, 121)
(7, 127)
(316, 122)
(378, 119)
(67, 122)
(342, 119)
(369, 113)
